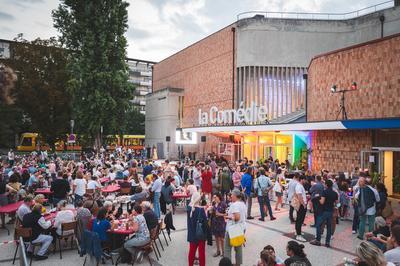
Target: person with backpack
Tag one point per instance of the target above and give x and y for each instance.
(263, 185)
(197, 230)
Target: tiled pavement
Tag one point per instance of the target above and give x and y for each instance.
(258, 235)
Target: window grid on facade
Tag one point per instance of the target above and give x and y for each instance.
(280, 89)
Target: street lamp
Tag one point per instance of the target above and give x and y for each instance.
(342, 107)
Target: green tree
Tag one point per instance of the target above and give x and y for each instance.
(40, 90)
(93, 31)
(134, 122)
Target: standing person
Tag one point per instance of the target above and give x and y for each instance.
(225, 181)
(295, 251)
(356, 215)
(316, 191)
(278, 189)
(196, 218)
(367, 197)
(300, 193)
(263, 185)
(236, 215)
(11, 157)
(218, 223)
(206, 186)
(380, 187)
(327, 200)
(156, 189)
(291, 191)
(197, 176)
(79, 186)
(213, 166)
(60, 187)
(36, 221)
(236, 178)
(247, 185)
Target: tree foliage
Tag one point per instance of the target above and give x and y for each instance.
(93, 32)
(40, 92)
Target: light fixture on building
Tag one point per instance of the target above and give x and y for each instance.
(342, 107)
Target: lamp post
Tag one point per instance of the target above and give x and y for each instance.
(342, 106)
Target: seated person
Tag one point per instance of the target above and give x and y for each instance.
(393, 255)
(36, 221)
(94, 183)
(125, 183)
(380, 234)
(140, 195)
(25, 207)
(101, 225)
(149, 215)
(271, 251)
(40, 199)
(63, 216)
(142, 235)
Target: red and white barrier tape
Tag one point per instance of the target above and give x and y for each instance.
(8, 242)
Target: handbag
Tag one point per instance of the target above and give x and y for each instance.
(295, 202)
(236, 235)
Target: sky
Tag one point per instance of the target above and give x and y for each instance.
(160, 28)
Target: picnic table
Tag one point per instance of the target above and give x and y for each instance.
(8, 209)
(110, 189)
(44, 191)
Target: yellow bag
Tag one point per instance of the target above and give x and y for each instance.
(236, 235)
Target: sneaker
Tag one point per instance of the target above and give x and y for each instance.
(315, 242)
(273, 218)
(327, 245)
(139, 257)
(250, 218)
(359, 237)
(38, 257)
(300, 238)
(354, 232)
(332, 237)
(217, 254)
(260, 219)
(312, 225)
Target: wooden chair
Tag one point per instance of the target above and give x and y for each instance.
(153, 237)
(24, 233)
(65, 227)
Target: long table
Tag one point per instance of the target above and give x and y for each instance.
(8, 209)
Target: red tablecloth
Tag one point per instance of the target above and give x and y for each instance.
(104, 180)
(110, 189)
(43, 191)
(121, 229)
(180, 195)
(10, 208)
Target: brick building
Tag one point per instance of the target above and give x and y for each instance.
(261, 87)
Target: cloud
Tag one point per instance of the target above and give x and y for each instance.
(6, 16)
(160, 28)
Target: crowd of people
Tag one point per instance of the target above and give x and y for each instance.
(219, 196)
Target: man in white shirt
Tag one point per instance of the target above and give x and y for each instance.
(63, 216)
(300, 194)
(156, 188)
(79, 186)
(291, 190)
(11, 157)
(25, 207)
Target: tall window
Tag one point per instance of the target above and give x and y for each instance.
(280, 89)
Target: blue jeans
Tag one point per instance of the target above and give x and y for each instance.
(156, 204)
(77, 197)
(264, 200)
(371, 222)
(325, 217)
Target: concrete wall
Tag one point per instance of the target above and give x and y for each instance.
(374, 66)
(162, 120)
(292, 43)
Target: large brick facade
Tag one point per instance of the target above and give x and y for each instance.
(204, 71)
(375, 66)
(338, 150)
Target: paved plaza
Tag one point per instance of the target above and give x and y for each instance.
(258, 235)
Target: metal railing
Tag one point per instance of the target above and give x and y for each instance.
(318, 16)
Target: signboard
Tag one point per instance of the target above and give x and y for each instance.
(185, 137)
(71, 138)
(251, 115)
